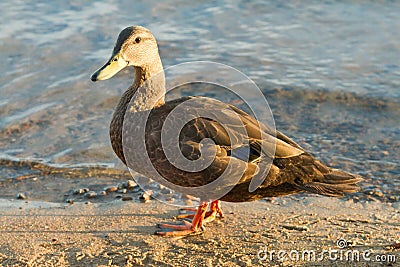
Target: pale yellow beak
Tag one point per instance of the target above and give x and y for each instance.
(112, 67)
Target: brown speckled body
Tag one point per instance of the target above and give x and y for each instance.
(287, 175)
(292, 169)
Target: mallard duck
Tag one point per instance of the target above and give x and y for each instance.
(292, 169)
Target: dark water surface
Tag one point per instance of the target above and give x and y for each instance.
(330, 71)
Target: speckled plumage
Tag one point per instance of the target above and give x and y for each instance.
(292, 170)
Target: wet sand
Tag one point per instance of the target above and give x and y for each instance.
(331, 95)
(120, 233)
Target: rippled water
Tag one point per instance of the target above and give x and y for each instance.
(330, 70)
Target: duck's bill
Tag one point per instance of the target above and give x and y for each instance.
(112, 67)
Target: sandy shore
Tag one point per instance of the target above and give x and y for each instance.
(121, 234)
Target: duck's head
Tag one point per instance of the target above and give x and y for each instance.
(135, 46)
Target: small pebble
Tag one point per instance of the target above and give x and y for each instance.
(79, 191)
(127, 198)
(377, 193)
(103, 193)
(122, 191)
(110, 189)
(90, 194)
(70, 201)
(21, 196)
(145, 197)
(130, 184)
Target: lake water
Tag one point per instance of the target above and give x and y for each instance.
(330, 71)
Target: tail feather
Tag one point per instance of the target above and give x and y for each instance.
(334, 184)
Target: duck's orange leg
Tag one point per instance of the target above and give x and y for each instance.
(215, 210)
(210, 216)
(185, 228)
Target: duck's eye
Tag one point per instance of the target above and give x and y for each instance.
(115, 59)
(138, 39)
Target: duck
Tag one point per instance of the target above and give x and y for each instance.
(290, 169)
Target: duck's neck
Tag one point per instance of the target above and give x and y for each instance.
(146, 93)
(149, 87)
(147, 90)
